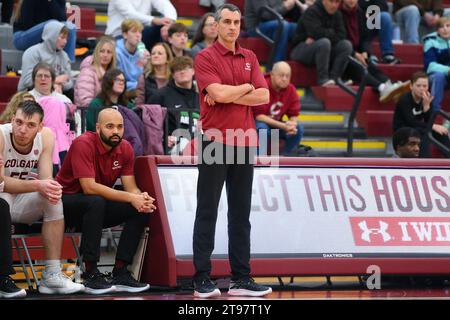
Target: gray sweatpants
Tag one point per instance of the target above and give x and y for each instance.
(320, 53)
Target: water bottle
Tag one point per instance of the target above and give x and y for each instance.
(141, 50)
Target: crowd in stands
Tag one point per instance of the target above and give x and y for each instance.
(143, 67)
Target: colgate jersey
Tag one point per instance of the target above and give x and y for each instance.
(18, 165)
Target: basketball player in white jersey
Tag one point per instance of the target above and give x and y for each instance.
(27, 146)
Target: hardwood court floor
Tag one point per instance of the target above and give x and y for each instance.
(301, 288)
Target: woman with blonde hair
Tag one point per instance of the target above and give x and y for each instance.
(92, 70)
(156, 73)
(11, 107)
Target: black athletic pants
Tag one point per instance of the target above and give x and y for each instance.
(91, 214)
(238, 179)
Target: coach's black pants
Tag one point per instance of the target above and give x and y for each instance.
(91, 214)
(211, 178)
(5, 240)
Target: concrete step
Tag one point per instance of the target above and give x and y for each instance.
(338, 147)
(6, 34)
(10, 57)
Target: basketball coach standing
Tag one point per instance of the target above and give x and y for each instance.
(230, 83)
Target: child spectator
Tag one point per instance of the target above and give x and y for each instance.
(414, 110)
(92, 70)
(32, 16)
(178, 37)
(49, 51)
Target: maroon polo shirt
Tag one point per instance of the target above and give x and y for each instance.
(88, 158)
(217, 64)
(283, 102)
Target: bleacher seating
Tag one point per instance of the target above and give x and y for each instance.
(400, 72)
(302, 75)
(238, 3)
(2, 106)
(258, 46)
(88, 25)
(189, 8)
(8, 87)
(408, 53)
(6, 34)
(10, 57)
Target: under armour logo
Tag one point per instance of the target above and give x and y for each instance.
(248, 66)
(367, 232)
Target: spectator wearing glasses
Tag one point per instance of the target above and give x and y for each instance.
(44, 78)
(205, 35)
(112, 94)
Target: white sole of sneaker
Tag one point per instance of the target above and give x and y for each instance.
(19, 294)
(131, 289)
(212, 294)
(248, 293)
(100, 291)
(47, 290)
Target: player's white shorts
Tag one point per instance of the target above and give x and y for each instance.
(31, 207)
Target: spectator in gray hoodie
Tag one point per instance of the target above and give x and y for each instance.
(50, 51)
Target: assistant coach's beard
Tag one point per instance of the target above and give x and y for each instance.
(109, 140)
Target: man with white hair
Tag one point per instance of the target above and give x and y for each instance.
(284, 100)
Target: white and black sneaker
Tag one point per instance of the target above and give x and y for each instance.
(8, 289)
(124, 282)
(58, 283)
(96, 282)
(205, 288)
(248, 287)
(393, 91)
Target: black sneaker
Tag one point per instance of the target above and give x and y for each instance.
(8, 288)
(124, 282)
(248, 287)
(96, 282)
(205, 288)
(390, 59)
